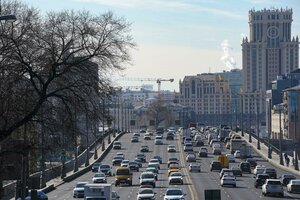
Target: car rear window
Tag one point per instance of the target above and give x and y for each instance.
(274, 182)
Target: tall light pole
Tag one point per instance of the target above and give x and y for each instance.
(242, 114)
(103, 120)
(250, 121)
(294, 98)
(269, 127)
(280, 137)
(257, 124)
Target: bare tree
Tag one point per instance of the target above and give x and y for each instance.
(159, 111)
(49, 58)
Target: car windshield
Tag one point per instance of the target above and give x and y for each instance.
(147, 175)
(80, 184)
(296, 182)
(99, 175)
(122, 172)
(174, 192)
(104, 167)
(274, 182)
(146, 191)
(176, 174)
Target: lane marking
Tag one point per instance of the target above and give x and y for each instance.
(191, 185)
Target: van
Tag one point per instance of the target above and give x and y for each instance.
(123, 175)
(223, 160)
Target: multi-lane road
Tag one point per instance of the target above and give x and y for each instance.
(194, 183)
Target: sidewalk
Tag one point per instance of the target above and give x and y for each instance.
(58, 181)
(275, 160)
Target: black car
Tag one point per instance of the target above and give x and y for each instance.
(215, 165)
(285, 178)
(134, 139)
(252, 162)
(272, 172)
(138, 161)
(170, 136)
(144, 149)
(245, 167)
(198, 143)
(260, 180)
(95, 166)
(159, 158)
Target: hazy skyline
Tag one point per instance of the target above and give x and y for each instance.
(180, 37)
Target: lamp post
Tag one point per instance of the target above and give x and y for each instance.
(242, 114)
(269, 127)
(294, 98)
(257, 124)
(280, 138)
(250, 121)
(103, 120)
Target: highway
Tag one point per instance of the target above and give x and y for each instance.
(194, 183)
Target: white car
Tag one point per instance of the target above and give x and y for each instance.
(158, 141)
(124, 163)
(146, 193)
(148, 179)
(171, 148)
(293, 186)
(121, 154)
(194, 167)
(99, 177)
(191, 157)
(154, 161)
(259, 169)
(272, 187)
(78, 191)
(237, 154)
(228, 180)
(176, 178)
(174, 193)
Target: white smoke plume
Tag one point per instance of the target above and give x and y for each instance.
(227, 58)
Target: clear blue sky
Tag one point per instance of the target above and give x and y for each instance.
(179, 37)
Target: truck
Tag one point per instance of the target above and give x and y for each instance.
(246, 151)
(223, 133)
(94, 191)
(236, 144)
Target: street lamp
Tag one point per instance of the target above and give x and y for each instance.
(257, 124)
(280, 137)
(250, 121)
(269, 127)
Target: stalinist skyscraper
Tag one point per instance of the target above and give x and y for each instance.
(270, 51)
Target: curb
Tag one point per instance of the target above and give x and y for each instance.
(85, 169)
(272, 162)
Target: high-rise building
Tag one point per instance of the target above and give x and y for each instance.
(270, 51)
(208, 96)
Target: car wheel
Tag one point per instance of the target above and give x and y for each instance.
(199, 171)
(130, 183)
(234, 185)
(281, 195)
(221, 185)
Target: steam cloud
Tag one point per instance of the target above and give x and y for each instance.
(227, 58)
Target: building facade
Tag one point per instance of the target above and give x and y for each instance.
(234, 78)
(208, 96)
(270, 51)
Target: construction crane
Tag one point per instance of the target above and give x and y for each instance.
(157, 80)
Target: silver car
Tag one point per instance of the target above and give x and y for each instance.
(272, 187)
